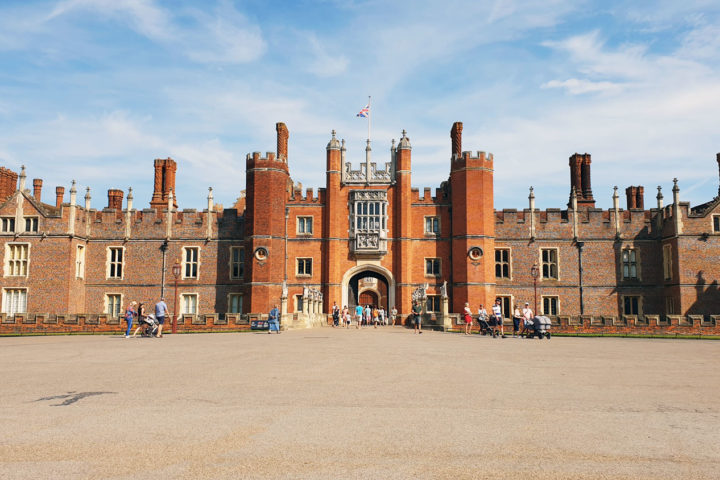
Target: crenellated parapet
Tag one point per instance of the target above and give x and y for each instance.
(439, 198)
(255, 161)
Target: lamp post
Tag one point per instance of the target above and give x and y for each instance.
(535, 273)
(176, 274)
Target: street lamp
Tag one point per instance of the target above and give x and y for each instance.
(535, 273)
(176, 274)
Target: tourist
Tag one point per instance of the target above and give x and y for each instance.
(528, 316)
(367, 315)
(161, 311)
(417, 317)
(381, 316)
(393, 315)
(467, 317)
(345, 317)
(141, 319)
(517, 318)
(129, 316)
(497, 319)
(483, 319)
(335, 314)
(274, 320)
(375, 315)
(358, 316)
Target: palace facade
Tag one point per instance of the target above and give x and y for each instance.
(367, 236)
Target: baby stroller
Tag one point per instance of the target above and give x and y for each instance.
(485, 327)
(540, 327)
(151, 325)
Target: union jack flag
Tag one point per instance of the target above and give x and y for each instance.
(365, 112)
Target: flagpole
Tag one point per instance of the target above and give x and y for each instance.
(369, 117)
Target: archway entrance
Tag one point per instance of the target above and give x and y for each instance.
(368, 285)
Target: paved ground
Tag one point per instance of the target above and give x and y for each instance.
(329, 403)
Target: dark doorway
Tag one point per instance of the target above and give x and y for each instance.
(369, 288)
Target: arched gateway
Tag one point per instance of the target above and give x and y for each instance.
(371, 284)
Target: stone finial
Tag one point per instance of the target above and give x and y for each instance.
(392, 144)
(282, 140)
(675, 185)
(456, 138)
(404, 143)
(87, 198)
(334, 143)
(342, 145)
(659, 198)
(22, 178)
(532, 192)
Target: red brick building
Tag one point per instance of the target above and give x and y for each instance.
(367, 236)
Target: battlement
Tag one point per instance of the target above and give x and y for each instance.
(426, 197)
(480, 159)
(309, 197)
(256, 160)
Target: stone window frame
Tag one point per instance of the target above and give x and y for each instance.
(229, 302)
(186, 263)
(80, 261)
(109, 262)
(298, 302)
(639, 304)
(630, 248)
(509, 262)
(303, 220)
(185, 295)
(366, 197)
(715, 223)
(5, 292)
(7, 224)
(436, 219)
(667, 262)
(434, 297)
(305, 261)
(34, 224)
(232, 262)
(670, 305)
(557, 304)
(106, 303)
(435, 261)
(23, 262)
(542, 264)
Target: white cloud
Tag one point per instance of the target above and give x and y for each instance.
(579, 86)
(322, 63)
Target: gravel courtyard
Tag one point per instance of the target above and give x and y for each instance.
(386, 403)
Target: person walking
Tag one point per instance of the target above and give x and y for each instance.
(141, 319)
(335, 314)
(467, 316)
(129, 316)
(358, 316)
(497, 320)
(517, 318)
(367, 315)
(393, 315)
(482, 319)
(161, 311)
(375, 315)
(417, 317)
(345, 317)
(274, 320)
(528, 316)
(381, 316)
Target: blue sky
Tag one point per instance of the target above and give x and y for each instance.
(94, 90)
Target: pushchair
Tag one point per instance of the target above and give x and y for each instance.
(485, 327)
(540, 327)
(151, 326)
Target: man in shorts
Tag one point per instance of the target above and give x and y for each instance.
(358, 316)
(528, 316)
(497, 319)
(417, 318)
(161, 311)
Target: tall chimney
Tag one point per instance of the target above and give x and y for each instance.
(456, 139)
(164, 182)
(115, 199)
(630, 194)
(282, 141)
(37, 188)
(59, 194)
(640, 197)
(718, 160)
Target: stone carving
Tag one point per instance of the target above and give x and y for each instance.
(443, 289)
(367, 241)
(376, 176)
(368, 195)
(420, 293)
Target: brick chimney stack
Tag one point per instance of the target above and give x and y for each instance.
(635, 198)
(580, 179)
(59, 194)
(164, 182)
(8, 182)
(718, 160)
(37, 188)
(282, 141)
(115, 199)
(456, 139)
